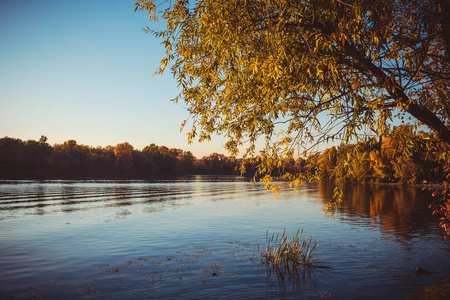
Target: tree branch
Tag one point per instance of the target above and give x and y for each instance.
(393, 88)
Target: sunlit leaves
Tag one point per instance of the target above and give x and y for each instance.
(124, 155)
(319, 70)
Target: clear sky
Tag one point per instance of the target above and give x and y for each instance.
(82, 70)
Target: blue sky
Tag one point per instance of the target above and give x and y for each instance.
(82, 70)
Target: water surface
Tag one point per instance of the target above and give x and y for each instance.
(197, 237)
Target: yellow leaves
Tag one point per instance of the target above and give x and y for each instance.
(242, 70)
(393, 89)
(255, 68)
(286, 141)
(190, 138)
(149, 6)
(317, 47)
(375, 57)
(331, 206)
(275, 189)
(267, 179)
(319, 73)
(376, 40)
(332, 68)
(182, 125)
(191, 135)
(277, 69)
(356, 37)
(296, 183)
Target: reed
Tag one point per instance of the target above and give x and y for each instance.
(288, 254)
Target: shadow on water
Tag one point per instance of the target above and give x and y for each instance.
(295, 279)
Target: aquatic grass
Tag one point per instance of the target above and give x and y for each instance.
(289, 259)
(282, 252)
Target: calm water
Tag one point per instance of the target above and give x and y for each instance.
(197, 238)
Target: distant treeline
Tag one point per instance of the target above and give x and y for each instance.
(37, 159)
(404, 156)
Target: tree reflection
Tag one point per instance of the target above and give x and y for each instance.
(401, 210)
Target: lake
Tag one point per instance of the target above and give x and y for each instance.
(197, 237)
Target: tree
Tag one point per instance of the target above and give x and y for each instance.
(124, 156)
(215, 164)
(327, 162)
(320, 69)
(10, 156)
(186, 162)
(35, 155)
(325, 69)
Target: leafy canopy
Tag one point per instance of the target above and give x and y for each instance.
(245, 66)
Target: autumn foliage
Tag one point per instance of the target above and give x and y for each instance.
(295, 74)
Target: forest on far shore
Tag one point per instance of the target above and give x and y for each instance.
(38, 159)
(402, 156)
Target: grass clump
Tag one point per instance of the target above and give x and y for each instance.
(282, 252)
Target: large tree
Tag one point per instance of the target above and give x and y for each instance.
(323, 69)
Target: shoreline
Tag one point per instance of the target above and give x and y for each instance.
(422, 185)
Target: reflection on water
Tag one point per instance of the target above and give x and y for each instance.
(197, 237)
(402, 210)
(295, 279)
